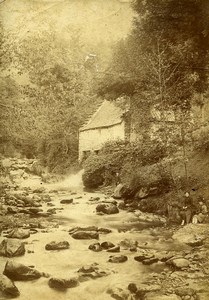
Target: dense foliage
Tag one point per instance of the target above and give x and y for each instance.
(41, 114)
(166, 52)
(124, 158)
(162, 64)
(47, 86)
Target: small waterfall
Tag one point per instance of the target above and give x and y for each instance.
(71, 182)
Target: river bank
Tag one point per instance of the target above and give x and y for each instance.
(122, 255)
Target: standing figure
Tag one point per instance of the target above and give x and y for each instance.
(187, 209)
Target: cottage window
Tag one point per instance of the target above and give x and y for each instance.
(86, 154)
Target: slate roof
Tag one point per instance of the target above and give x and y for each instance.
(107, 115)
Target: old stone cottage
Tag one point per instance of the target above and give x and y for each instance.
(108, 123)
(111, 122)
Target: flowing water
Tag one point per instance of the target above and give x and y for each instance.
(65, 263)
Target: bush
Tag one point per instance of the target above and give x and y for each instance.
(122, 157)
(93, 175)
(101, 169)
(58, 154)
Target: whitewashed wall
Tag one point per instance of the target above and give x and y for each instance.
(93, 139)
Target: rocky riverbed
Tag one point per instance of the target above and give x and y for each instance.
(59, 242)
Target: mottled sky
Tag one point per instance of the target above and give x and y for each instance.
(98, 20)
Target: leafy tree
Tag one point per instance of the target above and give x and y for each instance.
(54, 101)
(162, 63)
(178, 30)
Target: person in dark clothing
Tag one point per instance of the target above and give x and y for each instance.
(188, 209)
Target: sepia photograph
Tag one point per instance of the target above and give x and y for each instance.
(104, 149)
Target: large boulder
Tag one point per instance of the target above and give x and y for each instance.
(93, 175)
(18, 233)
(107, 245)
(17, 271)
(92, 271)
(10, 248)
(108, 209)
(52, 210)
(66, 201)
(85, 235)
(142, 256)
(8, 288)
(34, 210)
(57, 245)
(110, 247)
(118, 259)
(104, 230)
(96, 247)
(63, 283)
(178, 263)
(77, 228)
(90, 228)
(146, 257)
(150, 261)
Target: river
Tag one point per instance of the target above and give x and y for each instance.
(65, 263)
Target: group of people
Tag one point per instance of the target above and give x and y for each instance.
(193, 211)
